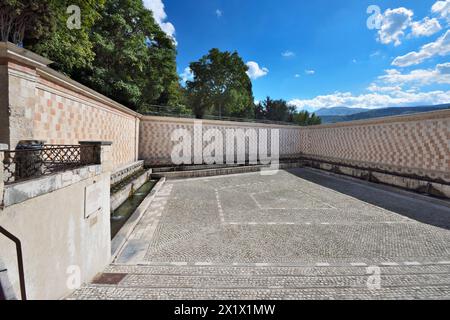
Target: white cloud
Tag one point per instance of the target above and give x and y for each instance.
(426, 27)
(393, 89)
(159, 13)
(396, 98)
(255, 71)
(310, 72)
(420, 77)
(187, 75)
(394, 22)
(441, 47)
(442, 8)
(288, 54)
(219, 13)
(297, 75)
(443, 68)
(375, 54)
(376, 88)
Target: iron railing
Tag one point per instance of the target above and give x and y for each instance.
(33, 162)
(18, 244)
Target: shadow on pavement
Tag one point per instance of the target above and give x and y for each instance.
(416, 208)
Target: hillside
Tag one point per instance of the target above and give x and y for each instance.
(377, 113)
(339, 111)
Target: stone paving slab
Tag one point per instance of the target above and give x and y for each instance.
(298, 234)
(139, 293)
(286, 282)
(431, 268)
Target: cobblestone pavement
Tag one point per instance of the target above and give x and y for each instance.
(300, 234)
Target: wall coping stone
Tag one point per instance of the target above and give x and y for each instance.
(420, 116)
(11, 51)
(128, 165)
(101, 143)
(22, 191)
(218, 122)
(66, 82)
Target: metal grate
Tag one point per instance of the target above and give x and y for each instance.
(33, 162)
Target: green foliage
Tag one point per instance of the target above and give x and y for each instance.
(220, 86)
(280, 110)
(20, 18)
(134, 59)
(304, 118)
(119, 50)
(277, 110)
(70, 49)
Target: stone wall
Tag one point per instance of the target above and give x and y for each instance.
(63, 224)
(155, 145)
(42, 104)
(414, 145)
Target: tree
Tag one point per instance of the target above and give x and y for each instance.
(277, 110)
(71, 49)
(20, 18)
(304, 118)
(314, 120)
(259, 111)
(135, 61)
(280, 110)
(220, 86)
(41, 26)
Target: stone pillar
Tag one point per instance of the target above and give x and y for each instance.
(2, 178)
(97, 152)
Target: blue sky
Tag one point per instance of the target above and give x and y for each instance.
(322, 53)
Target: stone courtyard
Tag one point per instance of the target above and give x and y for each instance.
(299, 234)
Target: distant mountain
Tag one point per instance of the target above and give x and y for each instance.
(378, 113)
(339, 111)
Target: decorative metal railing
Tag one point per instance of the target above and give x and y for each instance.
(20, 267)
(35, 161)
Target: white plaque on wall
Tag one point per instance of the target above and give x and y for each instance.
(92, 199)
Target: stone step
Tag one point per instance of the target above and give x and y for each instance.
(286, 282)
(430, 281)
(118, 293)
(196, 167)
(205, 171)
(277, 277)
(274, 270)
(197, 173)
(192, 167)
